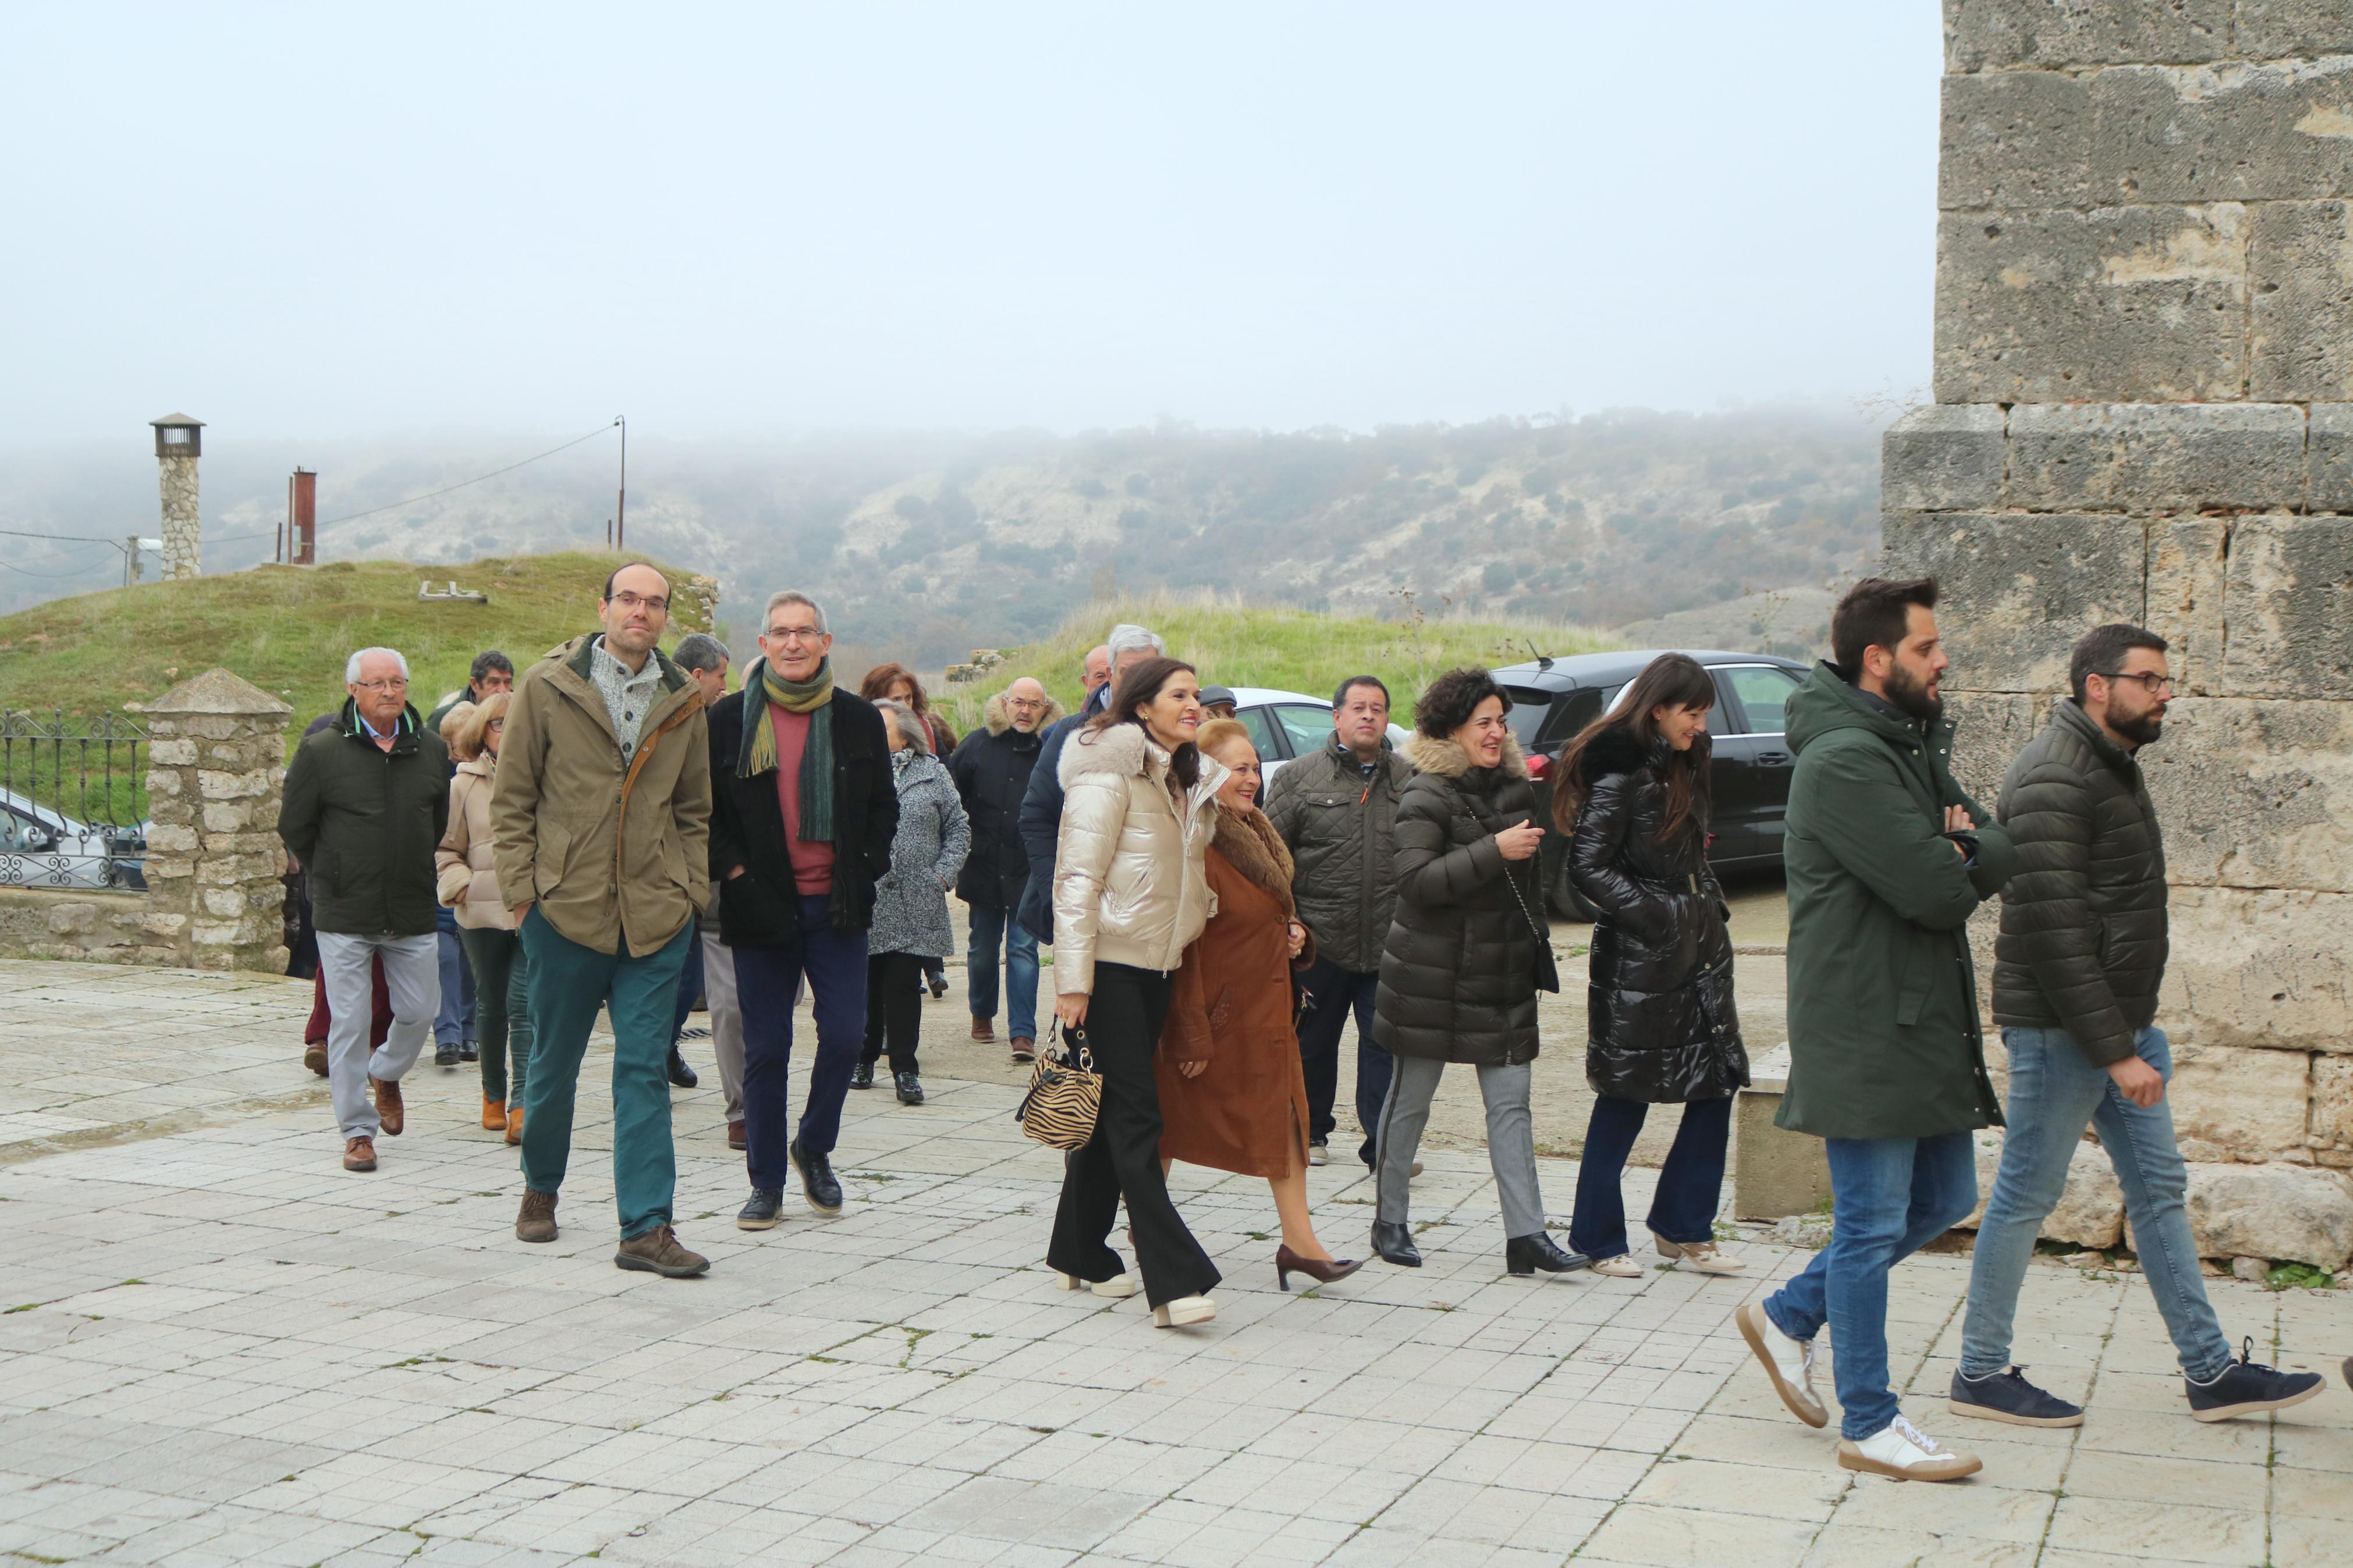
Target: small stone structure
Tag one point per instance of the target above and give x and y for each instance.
(215, 774)
(2144, 382)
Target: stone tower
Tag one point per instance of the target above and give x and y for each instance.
(179, 441)
(2144, 382)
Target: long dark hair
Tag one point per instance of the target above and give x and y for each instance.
(884, 677)
(1137, 686)
(1669, 680)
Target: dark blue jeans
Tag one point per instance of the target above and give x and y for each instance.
(1891, 1198)
(689, 986)
(1333, 994)
(990, 928)
(767, 988)
(1690, 1183)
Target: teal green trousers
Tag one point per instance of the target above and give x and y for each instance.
(568, 983)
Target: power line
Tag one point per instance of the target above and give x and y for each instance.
(78, 538)
(495, 473)
(58, 576)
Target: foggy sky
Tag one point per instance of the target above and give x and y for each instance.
(338, 222)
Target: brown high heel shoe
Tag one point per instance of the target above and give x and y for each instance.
(1323, 1270)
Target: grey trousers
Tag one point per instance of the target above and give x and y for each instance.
(412, 977)
(726, 1017)
(1511, 1140)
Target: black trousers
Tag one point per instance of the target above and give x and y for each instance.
(894, 1008)
(1337, 994)
(1122, 1159)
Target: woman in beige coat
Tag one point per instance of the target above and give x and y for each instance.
(469, 883)
(1130, 895)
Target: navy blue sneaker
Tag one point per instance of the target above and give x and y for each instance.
(2246, 1388)
(2007, 1396)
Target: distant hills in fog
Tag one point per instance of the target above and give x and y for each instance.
(932, 544)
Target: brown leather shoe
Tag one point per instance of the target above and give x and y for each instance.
(494, 1115)
(658, 1252)
(315, 1057)
(984, 1030)
(735, 1136)
(359, 1153)
(536, 1221)
(1025, 1049)
(388, 1109)
(514, 1121)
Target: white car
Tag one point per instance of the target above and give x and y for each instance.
(42, 848)
(1287, 724)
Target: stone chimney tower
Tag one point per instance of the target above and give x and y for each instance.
(2144, 383)
(179, 441)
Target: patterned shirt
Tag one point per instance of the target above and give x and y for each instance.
(627, 697)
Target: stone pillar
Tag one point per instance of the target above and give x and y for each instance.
(2144, 382)
(183, 541)
(216, 772)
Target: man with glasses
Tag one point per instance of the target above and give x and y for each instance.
(601, 823)
(2076, 970)
(992, 769)
(801, 827)
(366, 801)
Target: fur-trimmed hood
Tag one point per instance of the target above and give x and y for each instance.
(1449, 759)
(1616, 751)
(999, 721)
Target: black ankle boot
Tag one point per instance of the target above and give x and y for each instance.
(680, 1075)
(1526, 1253)
(863, 1076)
(1394, 1242)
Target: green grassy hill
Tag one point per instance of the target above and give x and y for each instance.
(1235, 644)
(288, 629)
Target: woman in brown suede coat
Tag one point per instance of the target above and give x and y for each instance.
(1232, 1094)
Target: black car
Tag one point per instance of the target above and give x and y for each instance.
(1553, 699)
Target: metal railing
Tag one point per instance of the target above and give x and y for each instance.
(73, 800)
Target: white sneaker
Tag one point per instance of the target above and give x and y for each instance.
(1319, 1154)
(1119, 1287)
(1788, 1362)
(1903, 1451)
(1184, 1310)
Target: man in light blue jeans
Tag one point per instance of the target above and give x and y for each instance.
(2076, 972)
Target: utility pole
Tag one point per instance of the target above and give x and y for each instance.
(622, 503)
(130, 560)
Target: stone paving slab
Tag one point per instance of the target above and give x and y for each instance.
(217, 1347)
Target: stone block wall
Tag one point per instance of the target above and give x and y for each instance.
(184, 554)
(2144, 382)
(215, 774)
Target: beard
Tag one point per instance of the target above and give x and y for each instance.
(2140, 729)
(1912, 695)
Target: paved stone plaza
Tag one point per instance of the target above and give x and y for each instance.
(219, 1348)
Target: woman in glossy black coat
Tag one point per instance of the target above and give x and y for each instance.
(1633, 796)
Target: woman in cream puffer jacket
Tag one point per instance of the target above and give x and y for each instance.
(1131, 894)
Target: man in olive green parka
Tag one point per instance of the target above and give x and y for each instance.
(1887, 856)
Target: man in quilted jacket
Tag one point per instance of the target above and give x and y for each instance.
(2082, 950)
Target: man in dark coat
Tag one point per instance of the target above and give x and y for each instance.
(366, 801)
(1336, 811)
(1886, 856)
(804, 811)
(992, 769)
(2076, 972)
(1041, 806)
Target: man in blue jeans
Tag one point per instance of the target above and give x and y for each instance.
(1887, 857)
(991, 768)
(2076, 971)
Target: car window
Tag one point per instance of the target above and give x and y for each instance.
(1309, 728)
(1530, 707)
(1259, 722)
(1764, 690)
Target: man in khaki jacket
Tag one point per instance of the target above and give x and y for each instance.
(601, 822)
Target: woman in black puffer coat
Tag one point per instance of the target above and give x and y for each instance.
(1633, 795)
(1467, 952)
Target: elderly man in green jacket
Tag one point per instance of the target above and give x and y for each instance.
(1887, 857)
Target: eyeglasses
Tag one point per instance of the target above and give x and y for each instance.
(794, 634)
(2154, 685)
(399, 683)
(628, 601)
(1023, 703)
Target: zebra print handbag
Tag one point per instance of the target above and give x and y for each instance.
(1065, 1093)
